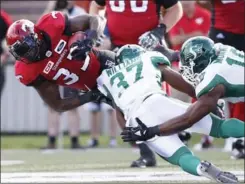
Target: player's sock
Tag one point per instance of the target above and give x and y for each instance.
(189, 163)
(186, 160)
(227, 128)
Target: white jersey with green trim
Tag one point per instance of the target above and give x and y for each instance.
(133, 80)
(227, 69)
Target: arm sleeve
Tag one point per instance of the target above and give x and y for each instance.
(167, 3)
(100, 2)
(106, 58)
(207, 82)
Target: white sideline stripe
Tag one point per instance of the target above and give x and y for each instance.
(97, 177)
(11, 162)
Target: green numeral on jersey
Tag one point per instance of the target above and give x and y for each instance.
(121, 82)
(237, 53)
(120, 76)
(139, 67)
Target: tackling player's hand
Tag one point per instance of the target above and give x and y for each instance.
(80, 49)
(97, 96)
(139, 133)
(153, 38)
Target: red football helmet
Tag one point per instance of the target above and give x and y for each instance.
(23, 41)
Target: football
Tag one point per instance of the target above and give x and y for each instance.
(75, 37)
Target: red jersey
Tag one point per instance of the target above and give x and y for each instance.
(199, 22)
(127, 20)
(59, 67)
(228, 15)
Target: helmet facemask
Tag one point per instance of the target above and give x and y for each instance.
(27, 50)
(187, 72)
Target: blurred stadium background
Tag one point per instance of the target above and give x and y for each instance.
(24, 127)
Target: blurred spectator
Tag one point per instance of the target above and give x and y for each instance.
(228, 28)
(5, 22)
(194, 22)
(73, 115)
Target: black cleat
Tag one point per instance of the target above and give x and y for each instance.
(184, 137)
(238, 149)
(93, 143)
(144, 162)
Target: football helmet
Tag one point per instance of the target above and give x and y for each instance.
(23, 41)
(195, 55)
(128, 52)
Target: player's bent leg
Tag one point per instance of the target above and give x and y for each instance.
(173, 150)
(216, 127)
(227, 128)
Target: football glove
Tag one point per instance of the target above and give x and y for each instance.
(139, 133)
(94, 96)
(153, 38)
(80, 49)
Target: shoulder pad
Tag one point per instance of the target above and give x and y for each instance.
(52, 23)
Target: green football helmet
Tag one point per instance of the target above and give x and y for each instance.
(195, 55)
(129, 51)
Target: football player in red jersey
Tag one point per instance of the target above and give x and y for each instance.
(139, 22)
(128, 20)
(44, 60)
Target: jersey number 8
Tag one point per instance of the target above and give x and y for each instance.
(121, 6)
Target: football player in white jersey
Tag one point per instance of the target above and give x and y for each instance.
(216, 71)
(135, 87)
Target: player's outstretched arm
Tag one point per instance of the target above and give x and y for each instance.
(172, 55)
(176, 80)
(49, 92)
(202, 107)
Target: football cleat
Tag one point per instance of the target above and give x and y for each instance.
(238, 151)
(93, 143)
(144, 162)
(214, 173)
(184, 136)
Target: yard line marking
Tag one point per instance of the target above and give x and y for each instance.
(103, 176)
(11, 162)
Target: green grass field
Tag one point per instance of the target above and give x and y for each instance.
(97, 162)
(103, 165)
(37, 141)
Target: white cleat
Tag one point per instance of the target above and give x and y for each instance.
(214, 173)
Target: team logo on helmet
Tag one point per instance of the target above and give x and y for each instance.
(194, 52)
